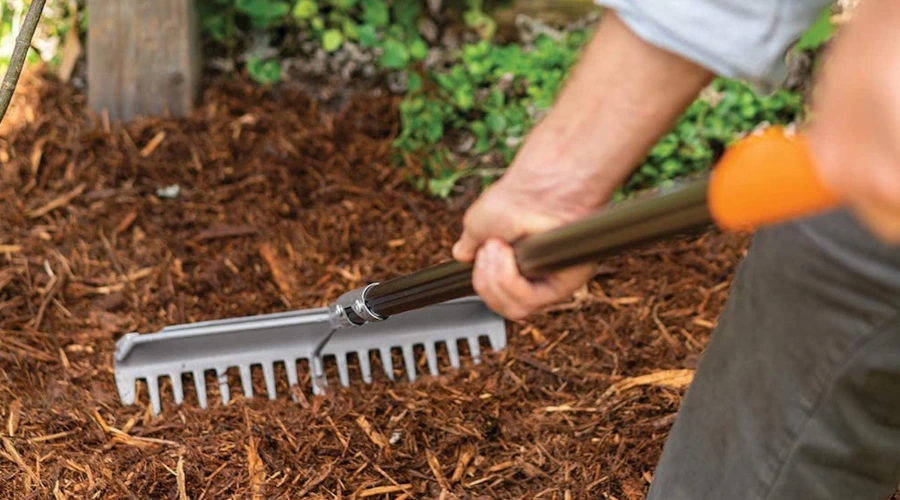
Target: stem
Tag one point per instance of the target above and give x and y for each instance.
(23, 43)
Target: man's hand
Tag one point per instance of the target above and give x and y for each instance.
(619, 100)
(855, 136)
(516, 206)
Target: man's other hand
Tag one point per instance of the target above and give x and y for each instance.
(855, 134)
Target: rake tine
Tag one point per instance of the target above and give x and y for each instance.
(153, 389)
(343, 370)
(246, 381)
(475, 349)
(177, 388)
(224, 390)
(269, 374)
(387, 362)
(319, 381)
(410, 362)
(291, 368)
(365, 369)
(431, 355)
(453, 353)
(200, 384)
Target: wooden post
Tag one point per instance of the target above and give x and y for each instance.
(142, 57)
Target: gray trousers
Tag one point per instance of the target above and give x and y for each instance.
(797, 395)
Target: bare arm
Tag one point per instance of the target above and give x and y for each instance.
(621, 97)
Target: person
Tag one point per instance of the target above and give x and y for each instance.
(797, 395)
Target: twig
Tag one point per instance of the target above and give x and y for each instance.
(436, 469)
(58, 202)
(269, 255)
(383, 490)
(223, 232)
(17, 459)
(179, 479)
(313, 482)
(20, 51)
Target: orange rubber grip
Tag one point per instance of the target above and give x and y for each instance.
(766, 178)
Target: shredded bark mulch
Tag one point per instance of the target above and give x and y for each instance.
(279, 206)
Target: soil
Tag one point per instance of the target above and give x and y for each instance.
(281, 206)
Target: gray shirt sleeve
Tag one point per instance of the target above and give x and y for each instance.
(746, 39)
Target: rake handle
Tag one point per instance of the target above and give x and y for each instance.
(762, 179)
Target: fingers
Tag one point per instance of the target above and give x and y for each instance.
(501, 212)
(464, 249)
(871, 189)
(486, 217)
(497, 281)
(884, 223)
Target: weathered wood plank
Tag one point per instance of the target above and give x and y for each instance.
(142, 57)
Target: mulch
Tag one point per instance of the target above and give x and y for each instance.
(281, 205)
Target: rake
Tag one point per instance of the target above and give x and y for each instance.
(764, 178)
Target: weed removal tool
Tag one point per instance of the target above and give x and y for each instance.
(762, 179)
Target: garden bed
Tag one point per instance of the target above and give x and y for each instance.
(282, 206)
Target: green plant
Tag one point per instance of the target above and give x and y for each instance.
(726, 110)
(264, 71)
(387, 29)
(474, 116)
(486, 102)
(821, 31)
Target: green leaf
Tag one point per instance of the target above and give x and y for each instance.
(434, 131)
(816, 35)
(497, 123)
(482, 23)
(305, 9)
(264, 71)
(395, 55)
(418, 49)
(263, 13)
(332, 40)
(648, 170)
(406, 12)
(413, 82)
(368, 36)
(215, 26)
(375, 12)
(351, 29)
(443, 185)
(344, 4)
(463, 97)
(672, 167)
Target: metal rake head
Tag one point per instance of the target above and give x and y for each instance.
(292, 337)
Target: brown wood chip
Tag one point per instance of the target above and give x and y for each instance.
(57, 202)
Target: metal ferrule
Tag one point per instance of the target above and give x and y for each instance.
(351, 309)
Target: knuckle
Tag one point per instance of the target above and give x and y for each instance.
(492, 206)
(479, 284)
(889, 232)
(468, 216)
(517, 313)
(888, 191)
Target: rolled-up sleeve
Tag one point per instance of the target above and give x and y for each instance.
(746, 39)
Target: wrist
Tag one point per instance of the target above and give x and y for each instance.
(561, 161)
(556, 181)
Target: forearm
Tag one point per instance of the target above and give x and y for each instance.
(620, 98)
